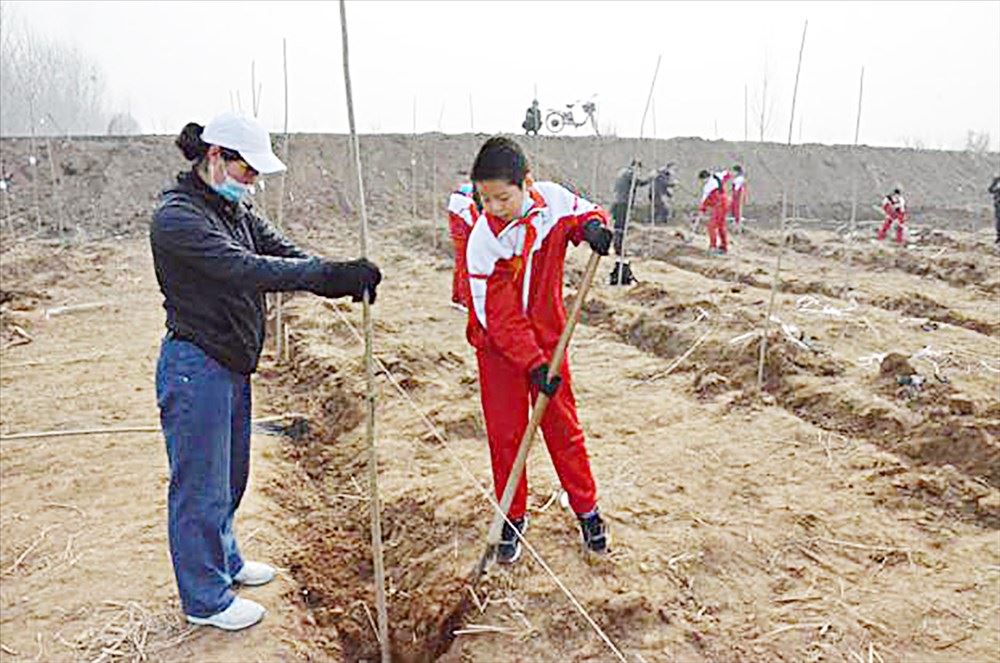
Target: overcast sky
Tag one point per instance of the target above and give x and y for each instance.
(932, 69)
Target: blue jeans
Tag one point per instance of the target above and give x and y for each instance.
(205, 416)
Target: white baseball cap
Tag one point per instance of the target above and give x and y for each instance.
(245, 136)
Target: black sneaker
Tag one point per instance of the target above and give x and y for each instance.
(595, 533)
(509, 549)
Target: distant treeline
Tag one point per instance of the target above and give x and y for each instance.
(51, 85)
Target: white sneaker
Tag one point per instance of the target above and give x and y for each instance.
(240, 614)
(254, 573)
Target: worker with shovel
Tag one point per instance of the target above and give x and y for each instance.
(894, 208)
(215, 257)
(713, 196)
(516, 254)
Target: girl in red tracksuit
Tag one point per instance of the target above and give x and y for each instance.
(462, 214)
(515, 257)
(713, 195)
(894, 208)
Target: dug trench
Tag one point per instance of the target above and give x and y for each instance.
(947, 445)
(965, 265)
(690, 258)
(332, 564)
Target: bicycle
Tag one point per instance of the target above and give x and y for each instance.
(556, 120)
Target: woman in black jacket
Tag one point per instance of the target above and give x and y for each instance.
(215, 258)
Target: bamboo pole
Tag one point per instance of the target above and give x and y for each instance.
(33, 161)
(434, 169)
(795, 90)
(784, 221)
(472, 117)
(413, 163)
(376, 516)
(854, 186)
(652, 189)
(122, 430)
(281, 348)
(631, 193)
(253, 87)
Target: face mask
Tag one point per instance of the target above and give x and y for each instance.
(231, 190)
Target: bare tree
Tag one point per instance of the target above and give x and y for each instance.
(40, 78)
(763, 107)
(977, 142)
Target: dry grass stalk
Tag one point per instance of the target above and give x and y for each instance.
(124, 636)
(794, 627)
(23, 337)
(59, 505)
(473, 629)
(45, 362)
(371, 620)
(74, 308)
(27, 551)
(677, 362)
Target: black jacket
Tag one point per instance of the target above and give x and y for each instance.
(214, 261)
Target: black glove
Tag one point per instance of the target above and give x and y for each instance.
(351, 278)
(540, 378)
(598, 236)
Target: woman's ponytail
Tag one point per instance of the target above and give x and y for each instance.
(190, 143)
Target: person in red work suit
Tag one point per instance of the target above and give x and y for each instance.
(894, 207)
(515, 256)
(463, 210)
(713, 195)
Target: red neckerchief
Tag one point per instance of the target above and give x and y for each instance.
(530, 233)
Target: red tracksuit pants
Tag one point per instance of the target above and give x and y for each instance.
(717, 228)
(460, 290)
(889, 218)
(505, 391)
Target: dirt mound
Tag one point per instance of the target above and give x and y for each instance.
(103, 186)
(784, 362)
(654, 323)
(801, 243)
(895, 364)
(695, 260)
(918, 305)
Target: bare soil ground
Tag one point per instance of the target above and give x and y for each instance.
(838, 514)
(84, 568)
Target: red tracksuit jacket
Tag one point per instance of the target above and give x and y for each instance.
(516, 284)
(516, 318)
(462, 215)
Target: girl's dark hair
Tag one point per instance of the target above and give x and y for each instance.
(190, 143)
(500, 158)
